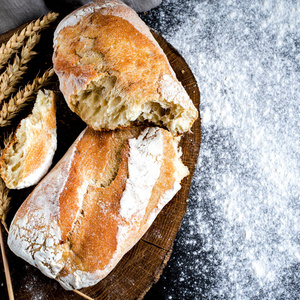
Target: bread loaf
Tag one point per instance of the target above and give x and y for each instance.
(96, 203)
(113, 73)
(29, 155)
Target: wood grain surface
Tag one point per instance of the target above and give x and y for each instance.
(141, 267)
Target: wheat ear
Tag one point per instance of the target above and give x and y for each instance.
(14, 72)
(4, 199)
(17, 39)
(4, 203)
(17, 102)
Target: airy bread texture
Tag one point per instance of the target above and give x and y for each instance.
(113, 73)
(29, 155)
(96, 203)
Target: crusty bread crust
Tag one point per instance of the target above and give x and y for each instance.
(96, 203)
(28, 156)
(113, 73)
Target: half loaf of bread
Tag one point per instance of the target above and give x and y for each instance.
(113, 73)
(29, 155)
(96, 203)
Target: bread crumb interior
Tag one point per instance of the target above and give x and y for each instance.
(101, 105)
(29, 128)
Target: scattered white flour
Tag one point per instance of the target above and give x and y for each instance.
(33, 281)
(240, 238)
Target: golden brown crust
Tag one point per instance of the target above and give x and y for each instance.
(106, 231)
(109, 40)
(129, 60)
(97, 203)
(96, 157)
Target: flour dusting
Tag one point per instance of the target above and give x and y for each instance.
(144, 165)
(240, 238)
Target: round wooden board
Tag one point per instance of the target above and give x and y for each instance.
(141, 267)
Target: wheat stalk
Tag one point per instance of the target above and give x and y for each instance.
(17, 39)
(4, 203)
(14, 72)
(83, 295)
(8, 79)
(17, 102)
(4, 199)
(6, 268)
(4, 206)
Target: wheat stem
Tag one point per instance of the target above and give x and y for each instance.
(16, 103)
(4, 203)
(17, 39)
(14, 72)
(83, 295)
(6, 268)
(4, 207)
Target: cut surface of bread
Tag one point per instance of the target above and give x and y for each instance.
(96, 203)
(29, 155)
(113, 73)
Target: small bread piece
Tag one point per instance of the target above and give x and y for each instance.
(96, 203)
(113, 73)
(29, 155)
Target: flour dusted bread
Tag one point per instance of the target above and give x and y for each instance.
(96, 203)
(113, 73)
(29, 155)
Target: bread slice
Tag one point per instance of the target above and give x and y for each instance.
(96, 203)
(29, 155)
(113, 73)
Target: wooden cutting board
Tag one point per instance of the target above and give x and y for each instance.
(141, 267)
